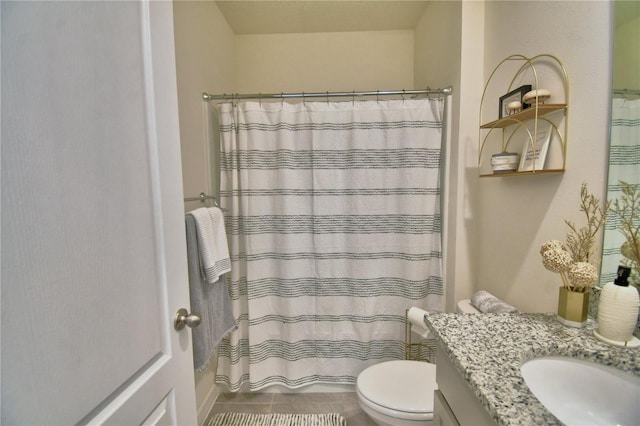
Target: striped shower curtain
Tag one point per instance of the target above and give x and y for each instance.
(624, 160)
(334, 230)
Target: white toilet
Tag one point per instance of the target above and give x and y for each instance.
(400, 392)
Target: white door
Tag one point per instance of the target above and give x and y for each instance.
(93, 244)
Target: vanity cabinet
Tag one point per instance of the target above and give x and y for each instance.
(536, 132)
(442, 414)
(454, 402)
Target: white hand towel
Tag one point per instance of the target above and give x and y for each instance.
(212, 243)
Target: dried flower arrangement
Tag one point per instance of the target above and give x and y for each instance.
(627, 209)
(575, 262)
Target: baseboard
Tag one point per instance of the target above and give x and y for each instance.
(205, 408)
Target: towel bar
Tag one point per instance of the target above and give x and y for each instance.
(202, 197)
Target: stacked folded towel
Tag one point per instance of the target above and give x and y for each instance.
(488, 303)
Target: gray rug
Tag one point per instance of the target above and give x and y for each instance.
(240, 419)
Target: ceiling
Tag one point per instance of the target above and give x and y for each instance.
(311, 16)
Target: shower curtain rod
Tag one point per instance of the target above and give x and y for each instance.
(202, 197)
(207, 97)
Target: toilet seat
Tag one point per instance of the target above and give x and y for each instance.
(400, 389)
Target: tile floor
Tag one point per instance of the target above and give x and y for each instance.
(345, 403)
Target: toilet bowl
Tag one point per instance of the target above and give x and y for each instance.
(400, 392)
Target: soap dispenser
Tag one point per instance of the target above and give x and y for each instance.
(618, 311)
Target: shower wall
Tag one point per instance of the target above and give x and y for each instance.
(319, 62)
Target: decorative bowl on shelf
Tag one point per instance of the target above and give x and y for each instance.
(505, 162)
(534, 97)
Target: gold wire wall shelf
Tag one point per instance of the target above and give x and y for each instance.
(539, 121)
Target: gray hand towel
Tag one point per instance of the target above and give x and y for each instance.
(488, 303)
(210, 301)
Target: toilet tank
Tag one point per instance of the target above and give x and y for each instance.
(464, 306)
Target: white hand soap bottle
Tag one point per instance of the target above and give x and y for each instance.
(618, 311)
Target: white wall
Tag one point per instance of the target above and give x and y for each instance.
(516, 215)
(437, 39)
(320, 62)
(626, 66)
(448, 52)
(205, 63)
(463, 219)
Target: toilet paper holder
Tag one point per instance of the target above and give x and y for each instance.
(423, 350)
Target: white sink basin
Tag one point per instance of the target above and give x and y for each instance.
(584, 393)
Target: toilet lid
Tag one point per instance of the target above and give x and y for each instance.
(400, 385)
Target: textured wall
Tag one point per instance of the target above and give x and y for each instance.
(518, 214)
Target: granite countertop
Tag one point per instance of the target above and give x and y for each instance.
(488, 350)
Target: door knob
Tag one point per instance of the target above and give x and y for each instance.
(183, 317)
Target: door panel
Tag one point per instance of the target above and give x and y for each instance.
(93, 251)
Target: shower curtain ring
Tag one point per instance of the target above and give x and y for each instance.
(353, 98)
(403, 95)
(378, 96)
(281, 98)
(327, 97)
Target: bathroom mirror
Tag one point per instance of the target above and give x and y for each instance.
(624, 149)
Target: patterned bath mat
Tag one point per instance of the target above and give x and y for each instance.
(240, 419)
